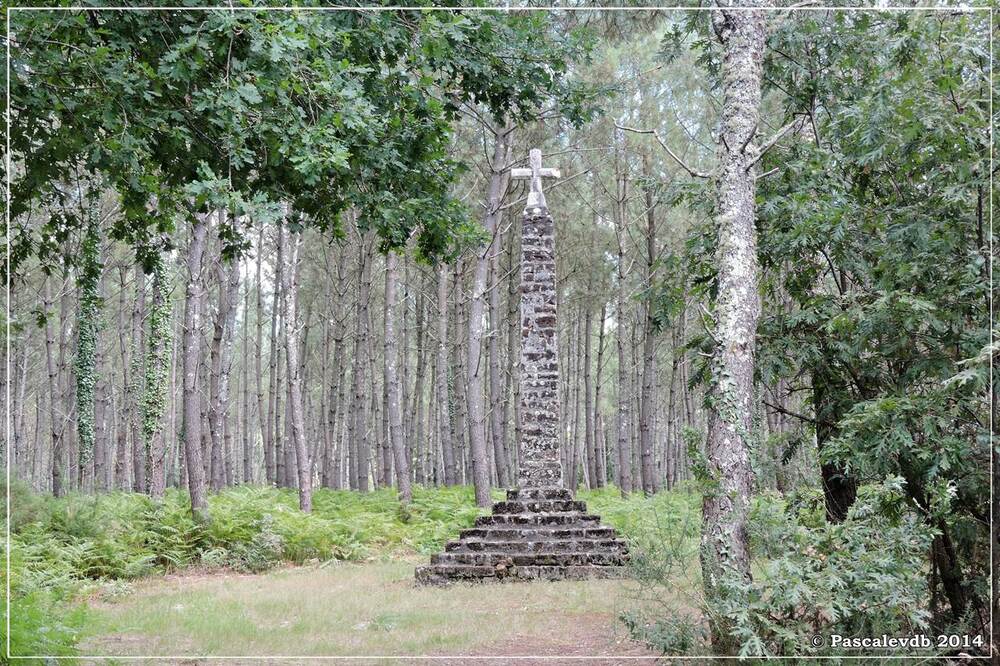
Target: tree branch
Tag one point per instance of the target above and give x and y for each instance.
(797, 122)
(683, 165)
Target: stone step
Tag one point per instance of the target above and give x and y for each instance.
(532, 532)
(443, 574)
(539, 494)
(523, 546)
(531, 559)
(538, 506)
(516, 519)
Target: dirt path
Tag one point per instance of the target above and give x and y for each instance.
(362, 610)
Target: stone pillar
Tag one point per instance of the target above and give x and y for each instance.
(539, 460)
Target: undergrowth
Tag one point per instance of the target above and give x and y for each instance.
(69, 548)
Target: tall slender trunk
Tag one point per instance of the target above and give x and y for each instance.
(289, 304)
(121, 409)
(272, 458)
(420, 446)
(258, 361)
(460, 380)
(725, 549)
(624, 395)
(56, 418)
(356, 430)
(247, 439)
(602, 457)
(588, 401)
(331, 471)
(443, 399)
(154, 399)
(475, 367)
(391, 355)
(191, 347)
(222, 351)
(514, 336)
(87, 327)
(647, 430)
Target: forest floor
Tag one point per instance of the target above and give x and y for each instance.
(366, 609)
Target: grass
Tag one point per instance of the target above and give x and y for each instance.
(350, 609)
(98, 548)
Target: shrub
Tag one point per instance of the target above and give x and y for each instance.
(863, 577)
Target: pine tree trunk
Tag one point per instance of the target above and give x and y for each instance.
(272, 456)
(725, 548)
(221, 358)
(599, 439)
(121, 409)
(475, 367)
(258, 363)
(391, 354)
(588, 402)
(460, 385)
(420, 446)
(356, 429)
(56, 418)
(647, 430)
(289, 305)
(442, 399)
(191, 347)
(623, 424)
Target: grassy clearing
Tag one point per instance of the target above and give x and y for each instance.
(101, 548)
(358, 609)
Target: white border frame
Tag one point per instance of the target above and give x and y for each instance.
(506, 9)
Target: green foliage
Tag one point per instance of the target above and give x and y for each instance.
(863, 577)
(186, 111)
(157, 363)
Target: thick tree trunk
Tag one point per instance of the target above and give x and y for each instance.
(725, 548)
(191, 347)
(395, 406)
(442, 399)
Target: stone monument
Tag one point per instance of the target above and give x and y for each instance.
(540, 531)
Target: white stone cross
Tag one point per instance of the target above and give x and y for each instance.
(536, 199)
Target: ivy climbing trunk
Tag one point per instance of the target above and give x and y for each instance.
(87, 324)
(154, 398)
(725, 548)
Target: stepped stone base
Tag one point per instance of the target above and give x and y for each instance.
(536, 534)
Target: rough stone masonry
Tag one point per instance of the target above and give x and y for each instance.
(540, 531)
